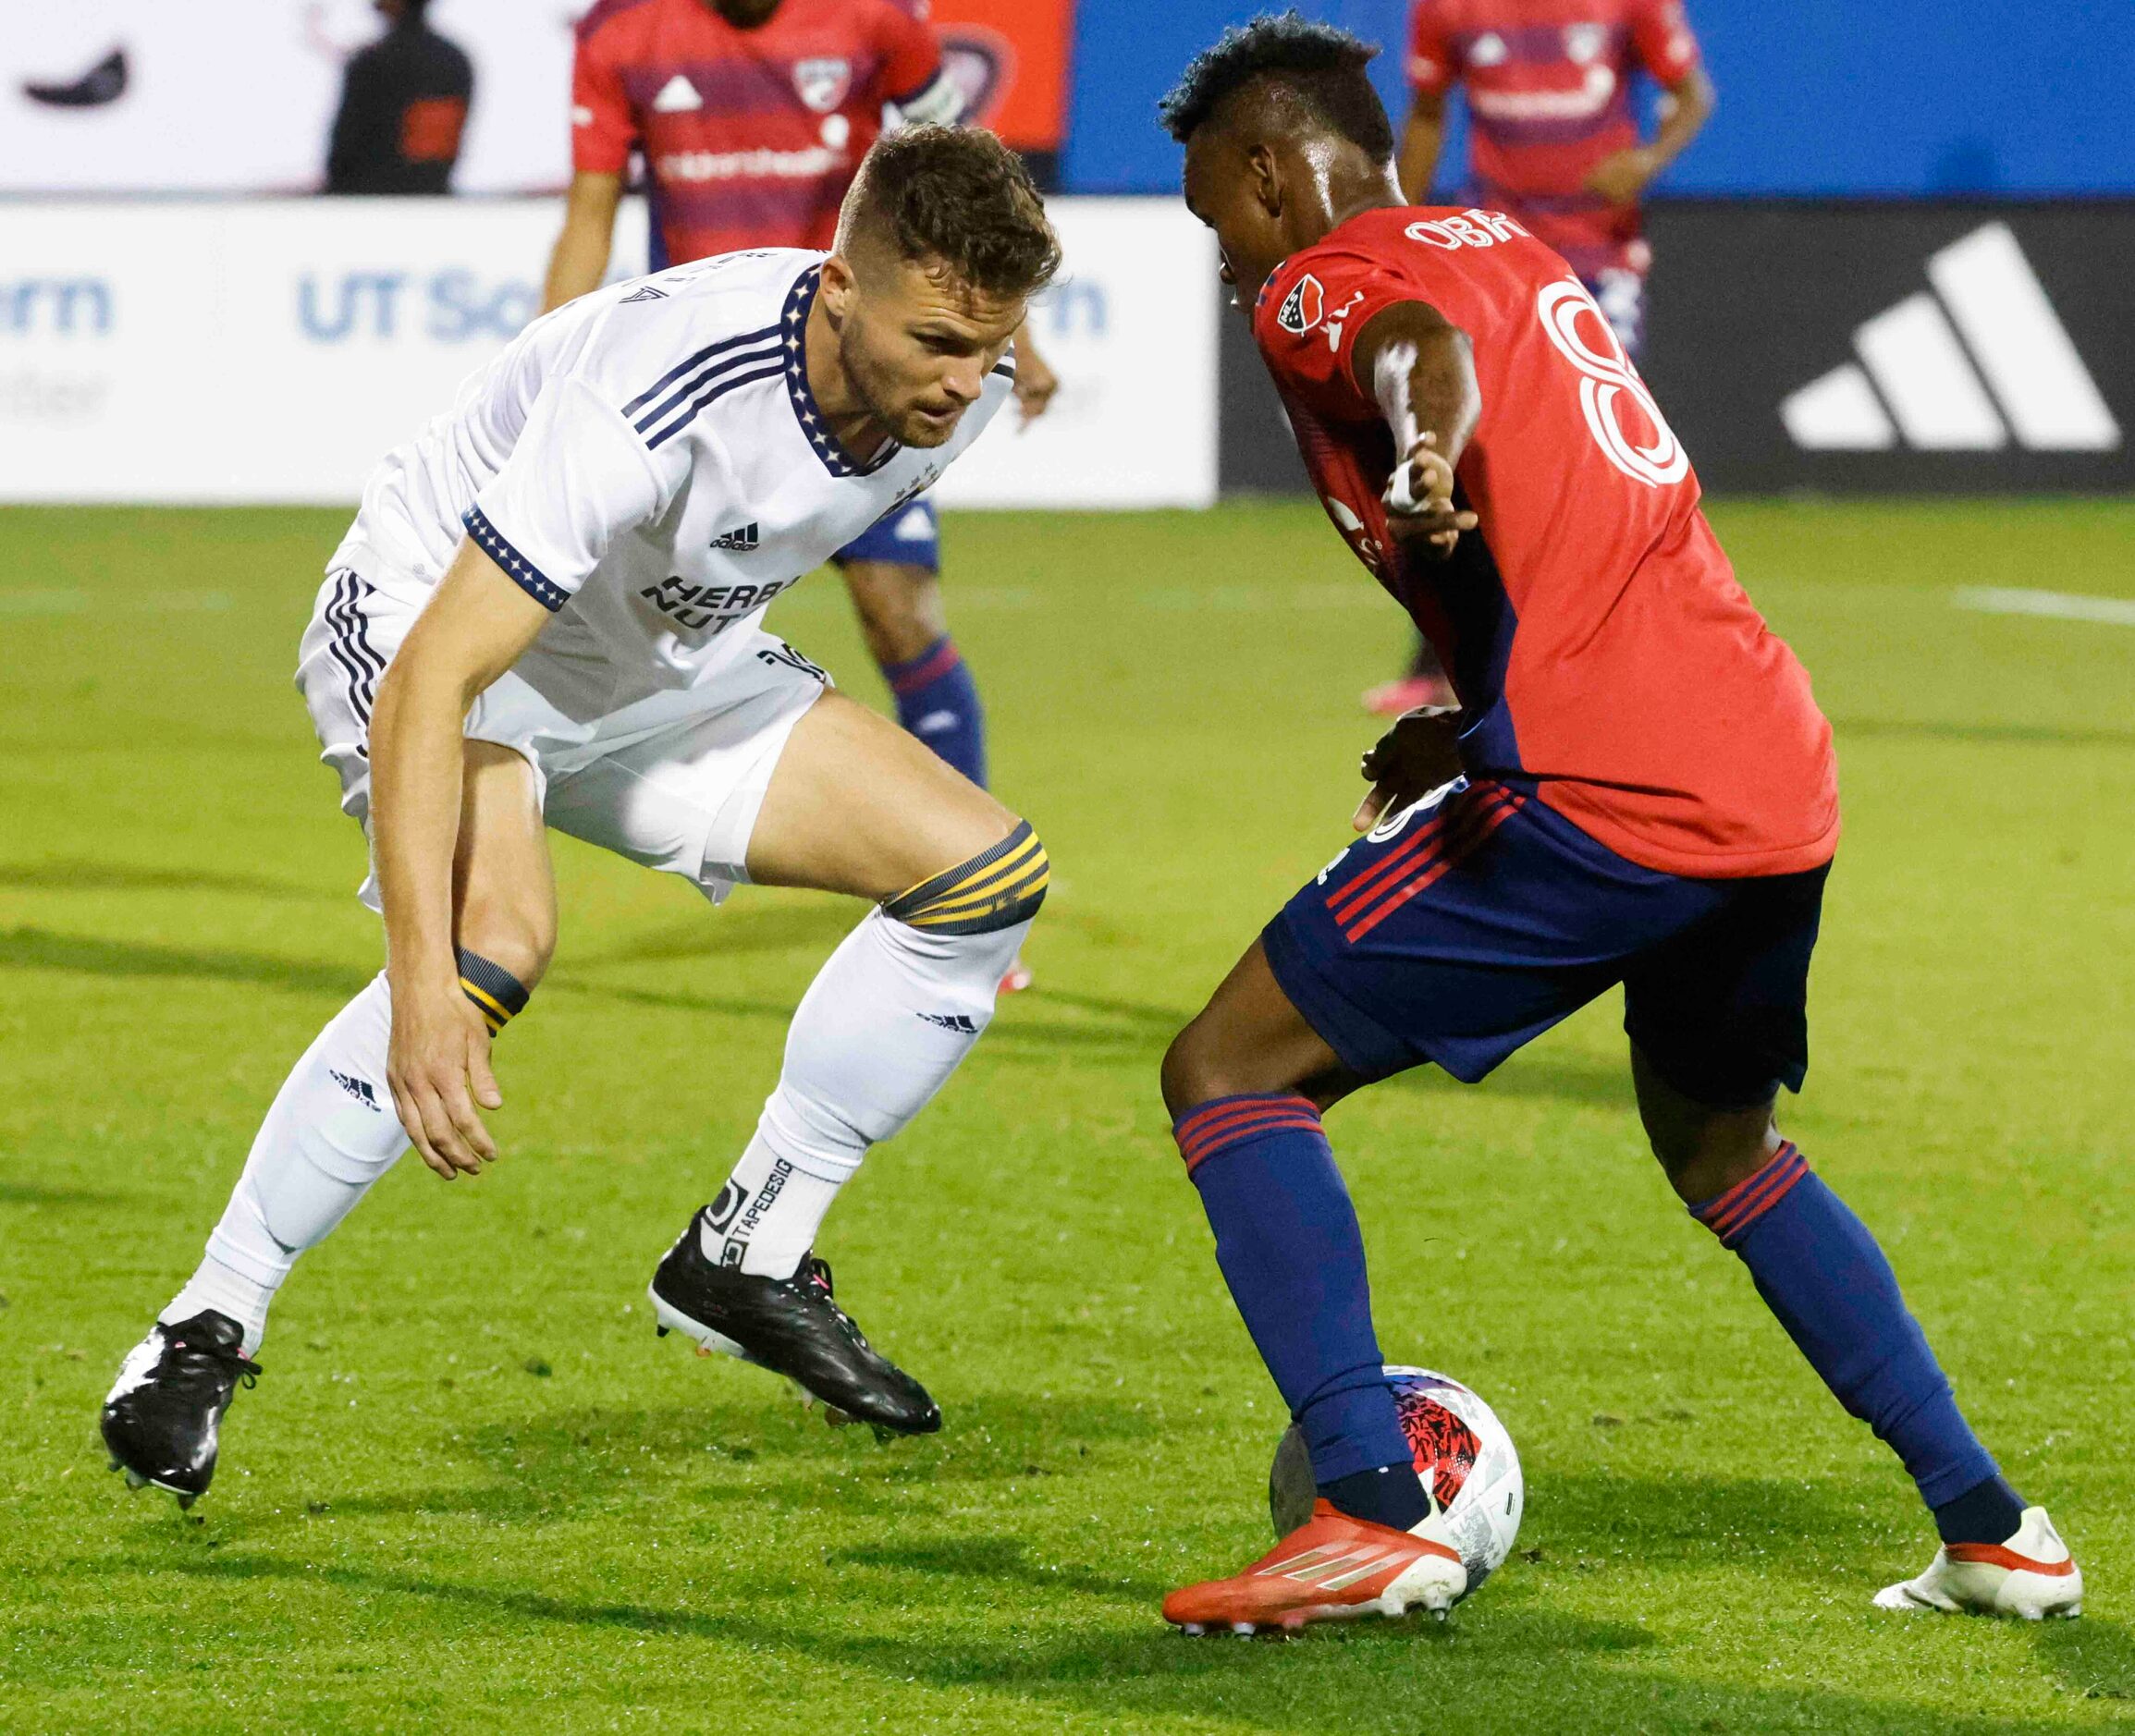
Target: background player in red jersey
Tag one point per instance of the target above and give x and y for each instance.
(1553, 142)
(1638, 789)
(751, 116)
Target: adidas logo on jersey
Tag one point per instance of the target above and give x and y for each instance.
(962, 1024)
(744, 541)
(676, 96)
(1962, 366)
(647, 294)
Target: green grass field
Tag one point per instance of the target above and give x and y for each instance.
(474, 1492)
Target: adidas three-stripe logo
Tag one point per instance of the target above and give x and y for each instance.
(1961, 368)
(744, 539)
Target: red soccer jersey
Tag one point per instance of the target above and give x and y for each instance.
(752, 137)
(1592, 625)
(1549, 95)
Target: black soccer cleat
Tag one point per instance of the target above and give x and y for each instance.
(792, 1326)
(164, 1411)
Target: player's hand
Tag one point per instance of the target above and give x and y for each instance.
(1419, 508)
(438, 1067)
(1034, 383)
(1621, 177)
(1418, 754)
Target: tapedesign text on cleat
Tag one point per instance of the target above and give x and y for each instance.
(791, 1325)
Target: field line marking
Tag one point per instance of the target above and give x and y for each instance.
(2060, 606)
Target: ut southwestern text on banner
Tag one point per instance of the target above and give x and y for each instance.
(271, 352)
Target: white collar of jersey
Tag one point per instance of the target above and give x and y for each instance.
(814, 423)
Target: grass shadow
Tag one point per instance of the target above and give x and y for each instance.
(40, 949)
(1991, 734)
(1798, 1529)
(35, 1194)
(2091, 1658)
(83, 875)
(562, 1463)
(1515, 1665)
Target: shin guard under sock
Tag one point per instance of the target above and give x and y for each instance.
(938, 702)
(1821, 1272)
(1290, 1250)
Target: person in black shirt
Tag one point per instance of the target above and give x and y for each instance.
(403, 106)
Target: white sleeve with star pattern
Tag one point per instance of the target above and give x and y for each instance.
(578, 476)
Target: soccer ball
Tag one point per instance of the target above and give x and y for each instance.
(1462, 1454)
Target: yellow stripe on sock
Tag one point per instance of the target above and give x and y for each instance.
(978, 885)
(993, 893)
(492, 1008)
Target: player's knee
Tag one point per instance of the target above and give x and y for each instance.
(1704, 1150)
(1195, 1068)
(999, 888)
(514, 930)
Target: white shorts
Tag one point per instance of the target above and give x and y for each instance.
(679, 791)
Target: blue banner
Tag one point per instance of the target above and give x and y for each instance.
(1818, 98)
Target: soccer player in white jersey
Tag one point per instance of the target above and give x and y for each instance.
(546, 616)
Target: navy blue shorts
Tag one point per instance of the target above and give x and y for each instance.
(1469, 925)
(909, 535)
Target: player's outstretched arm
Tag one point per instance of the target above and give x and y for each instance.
(1420, 369)
(477, 625)
(580, 259)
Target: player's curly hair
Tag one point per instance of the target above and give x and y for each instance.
(955, 194)
(1319, 65)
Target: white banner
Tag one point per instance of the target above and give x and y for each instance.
(270, 350)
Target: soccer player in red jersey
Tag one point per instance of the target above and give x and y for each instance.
(751, 116)
(1636, 789)
(1556, 146)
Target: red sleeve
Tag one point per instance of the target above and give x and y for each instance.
(1662, 40)
(1431, 68)
(911, 50)
(1309, 319)
(603, 129)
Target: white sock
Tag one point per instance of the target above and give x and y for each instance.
(886, 1022)
(331, 1133)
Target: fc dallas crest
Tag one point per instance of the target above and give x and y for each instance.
(824, 83)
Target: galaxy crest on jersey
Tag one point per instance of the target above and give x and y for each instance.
(1548, 84)
(751, 137)
(1592, 626)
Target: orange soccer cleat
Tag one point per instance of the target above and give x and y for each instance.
(1333, 1567)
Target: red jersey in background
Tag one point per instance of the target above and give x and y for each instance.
(1592, 627)
(1548, 85)
(751, 137)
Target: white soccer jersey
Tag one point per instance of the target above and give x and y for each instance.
(648, 463)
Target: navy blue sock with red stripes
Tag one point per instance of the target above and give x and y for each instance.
(938, 702)
(1287, 1240)
(1821, 1272)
